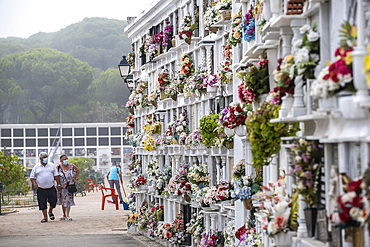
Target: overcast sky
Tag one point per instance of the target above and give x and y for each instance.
(22, 18)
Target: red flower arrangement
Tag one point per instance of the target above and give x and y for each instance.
(240, 232)
(140, 181)
(352, 210)
(164, 79)
(131, 121)
(234, 115)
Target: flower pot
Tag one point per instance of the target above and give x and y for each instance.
(173, 41)
(226, 15)
(283, 239)
(159, 48)
(241, 130)
(213, 29)
(229, 145)
(143, 60)
(163, 95)
(248, 204)
(188, 40)
(174, 97)
(229, 132)
(187, 198)
(311, 217)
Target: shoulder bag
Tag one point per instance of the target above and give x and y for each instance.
(70, 187)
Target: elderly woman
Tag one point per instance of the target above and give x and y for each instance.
(68, 174)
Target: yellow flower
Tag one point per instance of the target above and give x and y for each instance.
(235, 16)
(237, 35)
(288, 58)
(367, 67)
(348, 58)
(354, 32)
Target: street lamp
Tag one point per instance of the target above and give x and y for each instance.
(124, 68)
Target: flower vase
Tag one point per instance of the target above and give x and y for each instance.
(173, 41)
(355, 234)
(174, 97)
(226, 15)
(229, 132)
(248, 204)
(188, 40)
(132, 111)
(275, 6)
(154, 103)
(283, 239)
(327, 104)
(159, 48)
(241, 130)
(311, 218)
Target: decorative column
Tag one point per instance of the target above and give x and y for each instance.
(286, 35)
(298, 108)
(207, 219)
(209, 59)
(224, 175)
(213, 221)
(359, 52)
(302, 229)
(218, 169)
(173, 165)
(274, 171)
(177, 159)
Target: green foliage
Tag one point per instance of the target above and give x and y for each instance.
(45, 80)
(256, 78)
(11, 172)
(208, 125)
(85, 165)
(293, 217)
(265, 137)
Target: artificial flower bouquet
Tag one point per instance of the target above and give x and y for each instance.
(163, 179)
(194, 139)
(163, 231)
(195, 226)
(230, 233)
(284, 79)
(132, 219)
(338, 76)
(151, 47)
(238, 171)
(130, 120)
(352, 206)
(167, 34)
(255, 81)
(245, 187)
(187, 65)
(306, 166)
(187, 28)
(224, 141)
(198, 174)
(208, 125)
(212, 15)
(153, 171)
(131, 201)
(217, 193)
(140, 180)
(198, 194)
(143, 216)
(153, 97)
(235, 114)
(281, 211)
(235, 35)
(178, 230)
(250, 238)
(131, 59)
(258, 14)
(149, 143)
(180, 125)
(174, 88)
(158, 38)
(214, 238)
(211, 81)
(224, 73)
(164, 79)
(248, 25)
(196, 85)
(307, 52)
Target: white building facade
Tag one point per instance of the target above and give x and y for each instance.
(285, 46)
(105, 143)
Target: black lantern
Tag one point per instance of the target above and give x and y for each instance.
(124, 68)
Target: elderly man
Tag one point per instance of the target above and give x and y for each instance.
(42, 177)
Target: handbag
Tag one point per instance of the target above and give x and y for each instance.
(70, 187)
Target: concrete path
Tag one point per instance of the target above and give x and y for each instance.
(91, 226)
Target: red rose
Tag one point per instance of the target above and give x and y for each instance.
(357, 202)
(344, 217)
(189, 33)
(354, 185)
(280, 222)
(242, 118)
(238, 109)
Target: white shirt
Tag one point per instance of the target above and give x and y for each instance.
(44, 175)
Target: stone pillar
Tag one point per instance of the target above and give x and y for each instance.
(224, 175)
(218, 169)
(213, 221)
(298, 108)
(209, 59)
(207, 219)
(302, 229)
(286, 35)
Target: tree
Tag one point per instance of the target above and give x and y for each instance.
(85, 165)
(50, 80)
(11, 172)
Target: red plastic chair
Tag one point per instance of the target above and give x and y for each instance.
(94, 184)
(113, 193)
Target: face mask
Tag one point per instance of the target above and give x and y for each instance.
(65, 162)
(45, 160)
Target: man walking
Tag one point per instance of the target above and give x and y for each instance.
(42, 177)
(113, 176)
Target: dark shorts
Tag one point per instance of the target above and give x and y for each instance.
(47, 195)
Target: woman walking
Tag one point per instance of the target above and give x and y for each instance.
(68, 174)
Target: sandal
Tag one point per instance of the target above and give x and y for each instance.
(52, 217)
(69, 219)
(62, 218)
(44, 220)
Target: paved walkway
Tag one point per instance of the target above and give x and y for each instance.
(91, 226)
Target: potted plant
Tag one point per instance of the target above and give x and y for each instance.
(187, 29)
(208, 125)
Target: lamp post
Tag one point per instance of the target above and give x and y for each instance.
(124, 68)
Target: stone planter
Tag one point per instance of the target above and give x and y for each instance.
(229, 132)
(283, 239)
(241, 130)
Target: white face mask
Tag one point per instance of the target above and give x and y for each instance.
(65, 162)
(45, 160)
